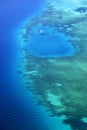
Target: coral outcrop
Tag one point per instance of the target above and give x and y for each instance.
(60, 83)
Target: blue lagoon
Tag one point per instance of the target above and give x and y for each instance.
(49, 43)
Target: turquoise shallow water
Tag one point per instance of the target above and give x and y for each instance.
(18, 109)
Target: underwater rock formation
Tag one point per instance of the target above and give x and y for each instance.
(59, 83)
(81, 9)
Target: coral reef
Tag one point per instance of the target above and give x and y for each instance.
(60, 83)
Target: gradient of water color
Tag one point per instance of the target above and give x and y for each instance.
(18, 109)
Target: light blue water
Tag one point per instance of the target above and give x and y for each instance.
(18, 110)
(49, 43)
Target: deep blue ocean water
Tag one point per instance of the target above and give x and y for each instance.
(18, 109)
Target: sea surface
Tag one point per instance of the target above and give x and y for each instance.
(18, 107)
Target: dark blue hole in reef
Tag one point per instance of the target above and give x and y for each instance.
(48, 42)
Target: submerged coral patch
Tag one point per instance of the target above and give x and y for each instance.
(59, 83)
(46, 41)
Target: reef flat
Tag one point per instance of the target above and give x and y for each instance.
(59, 83)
